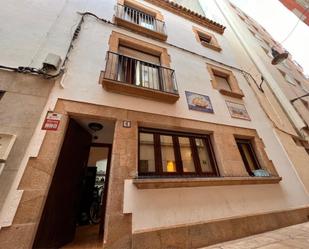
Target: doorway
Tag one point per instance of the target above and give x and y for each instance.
(95, 189)
(74, 210)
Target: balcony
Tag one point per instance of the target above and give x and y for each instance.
(127, 75)
(139, 21)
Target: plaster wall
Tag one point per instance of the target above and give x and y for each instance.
(20, 110)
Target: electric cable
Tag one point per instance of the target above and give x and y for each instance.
(76, 34)
(293, 29)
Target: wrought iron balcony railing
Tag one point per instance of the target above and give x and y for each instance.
(139, 73)
(140, 18)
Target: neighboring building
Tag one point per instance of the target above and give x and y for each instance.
(288, 82)
(299, 7)
(160, 109)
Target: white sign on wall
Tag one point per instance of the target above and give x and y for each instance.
(52, 121)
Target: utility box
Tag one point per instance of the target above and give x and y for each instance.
(52, 62)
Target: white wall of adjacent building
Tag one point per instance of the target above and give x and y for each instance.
(47, 27)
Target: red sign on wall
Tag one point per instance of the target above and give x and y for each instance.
(52, 121)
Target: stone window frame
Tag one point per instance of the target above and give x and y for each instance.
(214, 70)
(116, 39)
(157, 150)
(289, 79)
(223, 164)
(213, 44)
(261, 157)
(140, 29)
(305, 103)
(242, 18)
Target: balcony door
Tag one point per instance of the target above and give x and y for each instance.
(138, 17)
(138, 68)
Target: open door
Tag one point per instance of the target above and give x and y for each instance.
(58, 221)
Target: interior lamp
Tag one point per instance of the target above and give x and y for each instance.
(170, 166)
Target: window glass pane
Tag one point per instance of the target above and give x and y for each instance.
(146, 157)
(222, 83)
(186, 154)
(140, 55)
(146, 21)
(203, 155)
(248, 155)
(147, 75)
(205, 39)
(168, 156)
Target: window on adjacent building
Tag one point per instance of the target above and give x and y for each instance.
(248, 155)
(305, 102)
(167, 153)
(287, 77)
(242, 18)
(1, 94)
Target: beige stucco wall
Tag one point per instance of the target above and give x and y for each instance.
(20, 110)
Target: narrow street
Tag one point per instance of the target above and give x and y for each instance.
(296, 237)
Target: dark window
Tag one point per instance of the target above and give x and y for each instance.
(204, 38)
(139, 68)
(248, 155)
(166, 153)
(305, 102)
(222, 82)
(1, 94)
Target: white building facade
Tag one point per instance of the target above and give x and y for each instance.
(194, 152)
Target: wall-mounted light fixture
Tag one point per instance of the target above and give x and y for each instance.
(278, 57)
(95, 127)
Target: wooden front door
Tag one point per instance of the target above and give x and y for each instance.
(58, 220)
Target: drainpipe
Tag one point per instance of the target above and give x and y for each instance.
(294, 117)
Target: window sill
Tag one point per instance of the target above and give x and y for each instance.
(232, 94)
(155, 183)
(129, 89)
(211, 46)
(140, 29)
